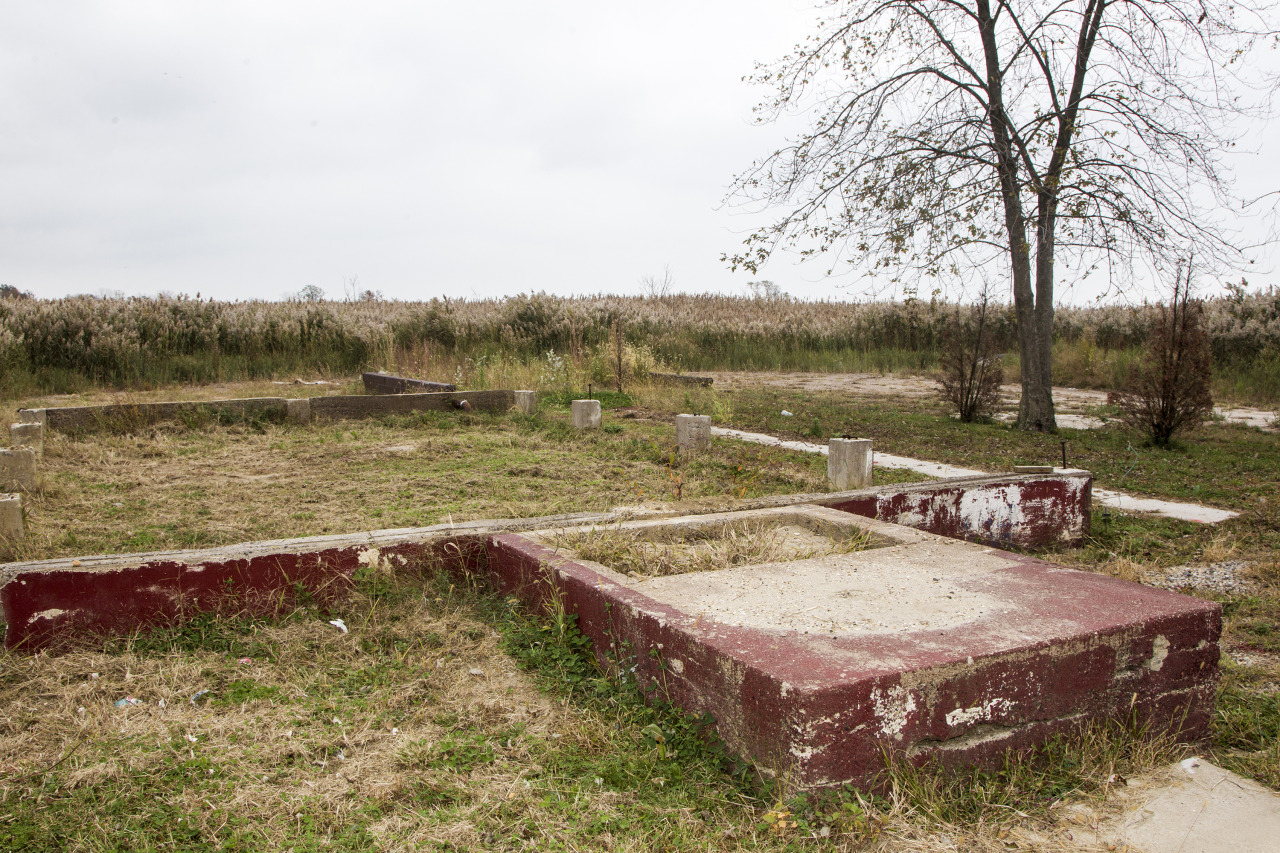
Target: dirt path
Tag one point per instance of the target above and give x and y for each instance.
(1075, 407)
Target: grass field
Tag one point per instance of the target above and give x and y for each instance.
(448, 719)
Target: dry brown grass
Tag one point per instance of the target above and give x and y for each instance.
(639, 554)
(172, 486)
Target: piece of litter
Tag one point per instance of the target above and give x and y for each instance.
(192, 738)
(126, 702)
(289, 734)
(75, 563)
(1190, 765)
(342, 756)
(337, 722)
(395, 731)
(786, 414)
(339, 624)
(93, 675)
(245, 660)
(161, 703)
(479, 672)
(198, 695)
(80, 710)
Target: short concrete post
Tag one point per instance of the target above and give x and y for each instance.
(586, 414)
(32, 416)
(527, 401)
(11, 526)
(28, 435)
(849, 463)
(17, 468)
(693, 433)
(297, 411)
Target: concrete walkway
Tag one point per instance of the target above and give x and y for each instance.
(1197, 808)
(1106, 497)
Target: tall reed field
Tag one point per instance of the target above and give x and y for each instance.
(63, 345)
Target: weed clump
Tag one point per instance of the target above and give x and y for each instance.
(1169, 391)
(970, 372)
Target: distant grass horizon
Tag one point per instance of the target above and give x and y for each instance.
(67, 345)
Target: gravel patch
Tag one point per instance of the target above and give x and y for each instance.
(1221, 577)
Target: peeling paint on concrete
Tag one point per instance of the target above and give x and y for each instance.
(1159, 651)
(51, 613)
(893, 709)
(978, 713)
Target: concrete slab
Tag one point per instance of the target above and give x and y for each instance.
(1196, 807)
(930, 647)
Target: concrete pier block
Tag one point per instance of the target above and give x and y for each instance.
(11, 527)
(586, 414)
(297, 411)
(31, 416)
(527, 401)
(693, 433)
(28, 435)
(17, 468)
(849, 464)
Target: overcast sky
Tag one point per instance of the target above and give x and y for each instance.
(249, 149)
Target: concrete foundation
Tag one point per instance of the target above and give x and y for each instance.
(17, 469)
(927, 647)
(28, 435)
(681, 379)
(123, 593)
(586, 414)
(11, 525)
(385, 383)
(693, 433)
(527, 401)
(297, 411)
(88, 418)
(849, 463)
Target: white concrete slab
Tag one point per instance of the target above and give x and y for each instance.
(1199, 808)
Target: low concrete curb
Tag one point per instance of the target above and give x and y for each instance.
(89, 418)
(386, 383)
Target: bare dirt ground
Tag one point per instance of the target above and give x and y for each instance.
(1077, 408)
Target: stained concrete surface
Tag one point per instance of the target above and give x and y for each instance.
(1196, 807)
(844, 595)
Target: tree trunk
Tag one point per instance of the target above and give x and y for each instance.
(1035, 345)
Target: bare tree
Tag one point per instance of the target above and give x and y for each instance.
(653, 287)
(951, 135)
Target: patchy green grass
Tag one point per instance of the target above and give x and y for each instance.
(180, 485)
(446, 719)
(1224, 465)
